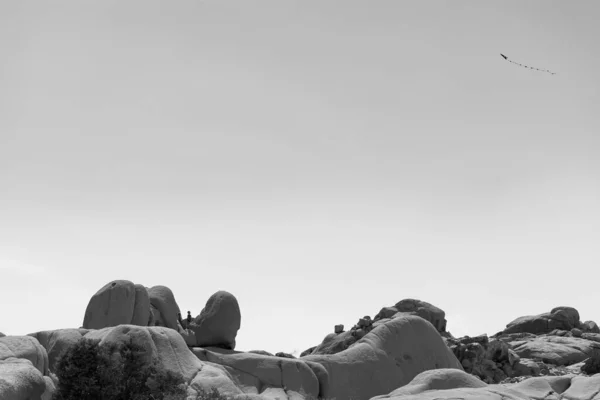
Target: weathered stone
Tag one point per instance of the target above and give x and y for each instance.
(595, 337)
(562, 318)
(262, 352)
(164, 307)
(363, 323)
(25, 347)
(571, 314)
(429, 312)
(20, 380)
(526, 367)
(556, 350)
(57, 342)
(308, 351)
(387, 357)
(590, 327)
(339, 328)
(386, 312)
(284, 355)
(452, 384)
(258, 373)
(117, 302)
(576, 332)
(219, 321)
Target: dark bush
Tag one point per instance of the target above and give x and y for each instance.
(92, 372)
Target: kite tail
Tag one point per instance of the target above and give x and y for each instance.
(526, 66)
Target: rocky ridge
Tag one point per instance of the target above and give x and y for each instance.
(404, 351)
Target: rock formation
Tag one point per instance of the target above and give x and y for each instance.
(404, 352)
(444, 384)
(218, 322)
(563, 318)
(340, 340)
(24, 370)
(391, 354)
(118, 302)
(164, 307)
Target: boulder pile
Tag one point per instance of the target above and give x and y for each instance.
(403, 353)
(341, 340)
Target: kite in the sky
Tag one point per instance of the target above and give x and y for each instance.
(525, 66)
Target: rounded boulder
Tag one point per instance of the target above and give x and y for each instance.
(218, 322)
(118, 302)
(164, 307)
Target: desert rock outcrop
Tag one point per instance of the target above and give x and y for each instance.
(218, 322)
(164, 307)
(20, 380)
(387, 357)
(445, 384)
(24, 369)
(340, 340)
(118, 302)
(563, 318)
(25, 347)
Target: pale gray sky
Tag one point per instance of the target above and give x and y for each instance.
(318, 159)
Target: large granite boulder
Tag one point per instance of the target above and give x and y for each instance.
(563, 318)
(590, 327)
(24, 369)
(164, 308)
(556, 350)
(387, 357)
(25, 347)
(118, 302)
(21, 380)
(218, 322)
(427, 311)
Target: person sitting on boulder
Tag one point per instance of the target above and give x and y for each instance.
(189, 318)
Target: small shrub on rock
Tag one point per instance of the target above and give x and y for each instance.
(88, 371)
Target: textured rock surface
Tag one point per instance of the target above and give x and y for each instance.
(25, 347)
(556, 350)
(427, 311)
(118, 302)
(164, 308)
(559, 318)
(20, 380)
(389, 356)
(257, 373)
(218, 322)
(449, 384)
(341, 340)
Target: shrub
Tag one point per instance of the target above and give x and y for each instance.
(213, 394)
(89, 371)
(592, 364)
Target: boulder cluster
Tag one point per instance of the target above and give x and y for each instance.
(404, 352)
(529, 346)
(341, 340)
(123, 302)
